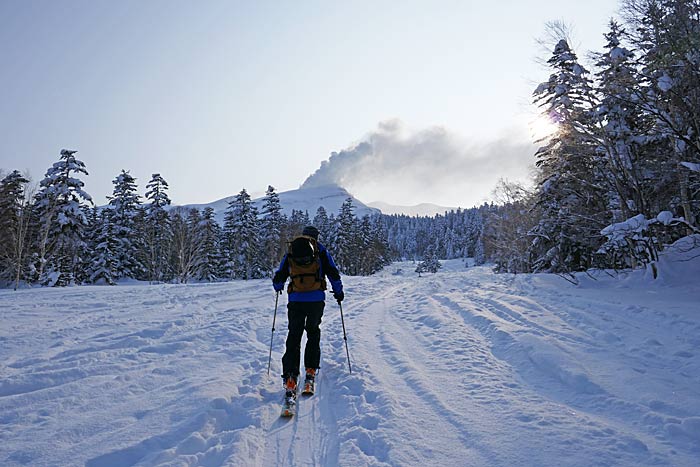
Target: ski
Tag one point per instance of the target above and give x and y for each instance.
(309, 388)
(309, 383)
(289, 407)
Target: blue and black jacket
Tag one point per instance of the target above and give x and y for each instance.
(327, 267)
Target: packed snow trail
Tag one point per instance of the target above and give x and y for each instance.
(462, 367)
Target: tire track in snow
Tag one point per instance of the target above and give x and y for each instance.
(403, 358)
(307, 439)
(328, 426)
(525, 345)
(423, 338)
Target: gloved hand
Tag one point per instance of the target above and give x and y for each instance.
(278, 286)
(339, 296)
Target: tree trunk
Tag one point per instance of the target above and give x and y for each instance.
(685, 200)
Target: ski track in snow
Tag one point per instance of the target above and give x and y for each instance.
(462, 367)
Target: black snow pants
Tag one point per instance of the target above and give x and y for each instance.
(303, 315)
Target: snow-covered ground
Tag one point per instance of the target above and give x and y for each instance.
(458, 368)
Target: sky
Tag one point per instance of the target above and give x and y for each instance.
(217, 96)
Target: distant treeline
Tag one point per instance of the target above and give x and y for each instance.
(55, 236)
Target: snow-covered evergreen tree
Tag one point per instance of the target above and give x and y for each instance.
(346, 242)
(628, 152)
(569, 197)
(124, 204)
(479, 252)
(272, 228)
(365, 254)
(61, 222)
(209, 265)
(623, 128)
(325, 227)
(479, 257)
(430, 261)
(104, 266)
(243, 249)
(377, 253)
(14, 228)
(158, 235)
(666, 34)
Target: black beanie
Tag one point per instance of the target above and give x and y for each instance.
(310, 231)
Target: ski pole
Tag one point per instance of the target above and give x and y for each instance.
(274, 318)
(345, 336)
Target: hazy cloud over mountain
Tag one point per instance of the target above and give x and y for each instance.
(398, 165)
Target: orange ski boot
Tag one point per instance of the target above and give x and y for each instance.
(309, 382)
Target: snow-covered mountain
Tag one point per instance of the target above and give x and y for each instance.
(423, 209)
(331, 197)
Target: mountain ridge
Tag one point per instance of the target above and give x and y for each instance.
(420, 210)
(331, 197)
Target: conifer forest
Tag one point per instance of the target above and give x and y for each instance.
(616, 181)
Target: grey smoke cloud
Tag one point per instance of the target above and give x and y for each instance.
(400, 166)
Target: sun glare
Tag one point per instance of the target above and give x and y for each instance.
(541, 127)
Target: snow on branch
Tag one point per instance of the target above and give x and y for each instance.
(692, 166)
(635, 241)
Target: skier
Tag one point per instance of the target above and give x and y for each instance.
(307, 264)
